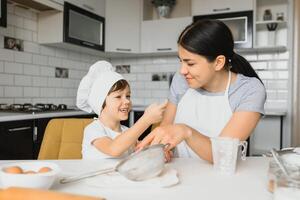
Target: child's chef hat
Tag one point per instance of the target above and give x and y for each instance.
(95, 86)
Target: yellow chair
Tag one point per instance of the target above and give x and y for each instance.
(63, 139)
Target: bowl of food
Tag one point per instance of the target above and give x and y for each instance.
(36, 174)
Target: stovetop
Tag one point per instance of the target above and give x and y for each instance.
(36, 108)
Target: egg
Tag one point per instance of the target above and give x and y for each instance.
(14, 170)
(29, 172)
(45, 169)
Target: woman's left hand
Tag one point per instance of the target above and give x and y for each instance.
(169, 134)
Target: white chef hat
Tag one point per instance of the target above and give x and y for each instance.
(95, 86)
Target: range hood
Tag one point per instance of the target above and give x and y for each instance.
(40, 5)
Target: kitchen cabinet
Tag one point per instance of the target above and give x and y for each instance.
(274, 31)
(16, 140)
(123, 19)
(95, 6)
(161, 35)
(204, 7)
(267, 135)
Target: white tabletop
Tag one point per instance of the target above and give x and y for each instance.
(198, 180)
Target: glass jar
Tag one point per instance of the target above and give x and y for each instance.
(287, 187)
(274, 172)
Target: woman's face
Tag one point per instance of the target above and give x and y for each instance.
(118, 104)
(196, 69)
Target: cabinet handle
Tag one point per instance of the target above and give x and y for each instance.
(220, 9)
(122, 49)
(35, 134)
(164, 49)
(88, 7)
(19, 129)
(87, 43)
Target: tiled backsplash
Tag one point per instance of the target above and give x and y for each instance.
(272, 69)
(29, 76)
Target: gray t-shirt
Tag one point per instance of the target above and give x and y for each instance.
(245, 94)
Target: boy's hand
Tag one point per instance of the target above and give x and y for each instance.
(154, 112)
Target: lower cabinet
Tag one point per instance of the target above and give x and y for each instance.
(16, 140)
(267, 135)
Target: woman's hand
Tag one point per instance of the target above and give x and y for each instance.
(169, 134)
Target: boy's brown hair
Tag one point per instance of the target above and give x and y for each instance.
(119, 85)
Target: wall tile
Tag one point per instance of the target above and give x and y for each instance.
(13, 68)
(7, 55)
(31, 92)
(23, 34)
(1, 67)
(15, 20)
(6, 79)
(31, 47)
(259, 65)
(30, 24)
(10, 91)
(23, 57)
(21, 80)
(54, 61)
(48, 51)
(39, 81)
(39, 59)
(54, 82)
(47, 71)
(30, 69)
(47, 92)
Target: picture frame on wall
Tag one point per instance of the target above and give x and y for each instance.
(3, 14)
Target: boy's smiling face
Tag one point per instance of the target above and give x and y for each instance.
(118, 105)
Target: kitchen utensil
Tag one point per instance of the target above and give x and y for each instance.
(142, 165)
(225, 153)
(278, 160)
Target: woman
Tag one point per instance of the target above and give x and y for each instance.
(217, 93)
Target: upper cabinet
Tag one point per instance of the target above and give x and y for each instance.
(159, 34)
(162, 35)
(123, 19)
(271, 23)
(204, 7)
(95, 6)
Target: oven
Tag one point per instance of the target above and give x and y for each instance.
(240, 24)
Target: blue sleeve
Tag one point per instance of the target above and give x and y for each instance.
(177, 89)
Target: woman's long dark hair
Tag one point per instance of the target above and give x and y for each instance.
(211, 38)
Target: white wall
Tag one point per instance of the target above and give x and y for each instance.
(28, 77)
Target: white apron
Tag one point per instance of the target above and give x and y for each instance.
(206, 114)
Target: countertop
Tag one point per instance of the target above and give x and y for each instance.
(198, 180)
(14, 116)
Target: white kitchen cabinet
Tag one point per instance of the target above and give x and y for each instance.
(273, 32)
(267, 135)
(162, 35)
(204, 7)
(123, 19)
(95, 6)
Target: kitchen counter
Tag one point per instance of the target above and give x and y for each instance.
(198, 180)
(14, 116)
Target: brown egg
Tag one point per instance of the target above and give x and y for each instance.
(14, 170)
(44, 170)
(29, 172)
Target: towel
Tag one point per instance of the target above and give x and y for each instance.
(95, 85)
(167, 178)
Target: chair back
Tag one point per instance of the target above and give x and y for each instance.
(63, 139)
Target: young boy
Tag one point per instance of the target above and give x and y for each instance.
(107, 94)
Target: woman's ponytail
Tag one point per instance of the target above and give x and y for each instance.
(240, 65)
